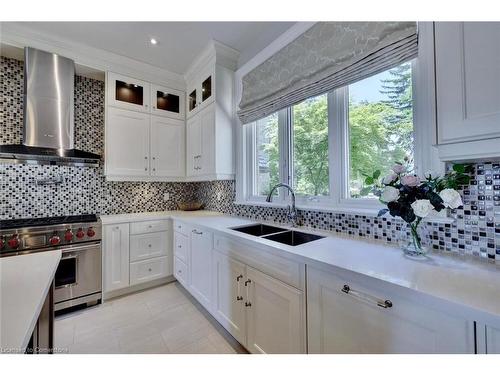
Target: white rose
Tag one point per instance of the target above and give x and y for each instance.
(422, 207)
(389, 194)
(389, 178)
(451, 198)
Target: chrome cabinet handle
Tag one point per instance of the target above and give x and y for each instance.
(367, 298)
(239, 298)
(248, 282)
(196, 232)
(239, 277)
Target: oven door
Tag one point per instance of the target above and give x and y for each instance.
(78, 273)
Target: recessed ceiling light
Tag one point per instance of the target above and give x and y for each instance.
(153, 41)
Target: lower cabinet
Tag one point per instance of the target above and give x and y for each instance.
(349, 315)
(488, 338)
(200, 280)
(275, 318)
(228, 295)
(262, 313)
(116, 256)
(135, 253)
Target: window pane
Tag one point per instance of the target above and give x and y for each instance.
(310, 147)
(267, 154)
(380, 124)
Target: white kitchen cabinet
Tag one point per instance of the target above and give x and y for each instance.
(370, 319)
(128, 93)
(209, 145)
(262, 313)
(201, 91)
(116, 256)
(275, 315)
(467, 56)
(228, 302)
(127, 143)
(181, 272)
(167, 102)
(167, 147)
(200, 266)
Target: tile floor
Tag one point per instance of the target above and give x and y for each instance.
(164, 319)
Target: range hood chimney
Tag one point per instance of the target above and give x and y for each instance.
(48, 130)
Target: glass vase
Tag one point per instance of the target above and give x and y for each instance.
(412, 245)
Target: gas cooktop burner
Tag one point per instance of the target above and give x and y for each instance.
(45, 221)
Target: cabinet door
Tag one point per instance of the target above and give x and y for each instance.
(127, 143)
(352, 322)
(200, 263)
(206, 88)
(467, 80)
(192, 103)
(116, 256)
(167, 102)
(128, 93)
(228, 304)
(193, 142)
(167, 147)
(275, 315)
(207, 160)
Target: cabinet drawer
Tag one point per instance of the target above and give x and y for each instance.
(180, 271)
(148, 226)
(181, 243)
(181, 228)
(148, 270)
(149, 245)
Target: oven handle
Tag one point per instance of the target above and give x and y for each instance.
(78, 247)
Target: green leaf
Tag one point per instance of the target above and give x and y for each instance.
(369, 180)
(459, 168)
(376, 174)
(365, 191)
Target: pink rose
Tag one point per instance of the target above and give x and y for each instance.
(389, 178)
(398, 168)
(410, 180)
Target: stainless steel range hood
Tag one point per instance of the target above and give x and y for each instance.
(48, 131)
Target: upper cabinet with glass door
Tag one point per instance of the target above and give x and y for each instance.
(167, 102)
(201, 91)
(128, 93)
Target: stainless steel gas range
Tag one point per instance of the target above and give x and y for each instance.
(78, 278)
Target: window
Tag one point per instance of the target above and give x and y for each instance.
(267, 155)
(325, 145)
(310, 147)
(380, 125)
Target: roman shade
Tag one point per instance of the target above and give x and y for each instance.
(327, 56)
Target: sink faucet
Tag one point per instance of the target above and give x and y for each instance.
(292, 210)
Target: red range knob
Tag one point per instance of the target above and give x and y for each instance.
(13, 242)
(90, 232)
(68, 236)
(80, 233)
(55, 240)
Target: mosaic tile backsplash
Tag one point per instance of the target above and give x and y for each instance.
(475, 231)
(84, 190)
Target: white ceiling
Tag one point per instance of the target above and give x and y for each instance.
(178, 42)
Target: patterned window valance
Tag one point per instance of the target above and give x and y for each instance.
(327, 56)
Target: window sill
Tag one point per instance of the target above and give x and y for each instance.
(340, 210)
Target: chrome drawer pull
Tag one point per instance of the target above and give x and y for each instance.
(364, 297)
(196, 232)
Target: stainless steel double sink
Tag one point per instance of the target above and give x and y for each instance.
(285, 236)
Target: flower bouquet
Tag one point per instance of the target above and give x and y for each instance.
(411, 198)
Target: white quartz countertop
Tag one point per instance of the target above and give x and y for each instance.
(464, 281)
(25, 281)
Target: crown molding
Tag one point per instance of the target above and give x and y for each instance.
(22, 36)
(215, 50)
